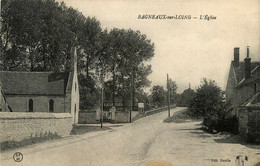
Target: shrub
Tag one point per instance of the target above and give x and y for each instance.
(184, 99)
(208, 96)
(220, 118)
(208, 103)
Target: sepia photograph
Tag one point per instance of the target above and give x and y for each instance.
(129, 83)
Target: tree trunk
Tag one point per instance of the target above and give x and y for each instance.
(114, 84)
(133, 89)
(31, 58)
(123, 94)
(44, 57)
(87, 66)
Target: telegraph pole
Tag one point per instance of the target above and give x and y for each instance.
(132, 95)
(168, 91)
(102, 97)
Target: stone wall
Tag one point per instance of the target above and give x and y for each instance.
(243, 120)
(20, 103)
(91, 117)
(249, 123)
(254, 123)
(21, 126)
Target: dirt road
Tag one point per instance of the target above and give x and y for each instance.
(147, 140)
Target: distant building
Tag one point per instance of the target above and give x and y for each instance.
(55, 92)
(243, 92)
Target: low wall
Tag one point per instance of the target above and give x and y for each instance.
(152, 111)
(90, 117)
(87, 117)
(249, 122)
(254, 124)
(20, 126)
(122, 117)
(134, 114)
(243, 120)
(156, 110)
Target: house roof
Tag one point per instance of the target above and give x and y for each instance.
(240, 72)
(33, 83)
(253, 101)
(254, 78)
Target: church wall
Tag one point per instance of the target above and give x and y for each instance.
(75, 99)
(20, 103)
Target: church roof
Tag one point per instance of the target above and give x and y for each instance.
(33, 83)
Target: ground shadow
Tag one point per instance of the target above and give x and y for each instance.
(189, 129)
(221, 137)
(115, 125)
(78, 130)
(199, 124)
(199, 132)
(237, 139)
(231, 139)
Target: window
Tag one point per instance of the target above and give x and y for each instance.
(30, 105)
(51, 106)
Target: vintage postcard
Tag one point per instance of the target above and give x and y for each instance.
(130, 83)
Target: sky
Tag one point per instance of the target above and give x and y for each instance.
(187, 49)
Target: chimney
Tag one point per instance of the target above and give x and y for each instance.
(236, 56)
(247, 65)
(73, 59)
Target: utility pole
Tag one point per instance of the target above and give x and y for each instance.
(168, 91)
(0, 24)
(102, 97)
(132, 95)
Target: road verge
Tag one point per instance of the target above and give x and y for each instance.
(181, 117)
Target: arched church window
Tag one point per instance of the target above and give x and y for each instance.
(31, 105)
(51, 106)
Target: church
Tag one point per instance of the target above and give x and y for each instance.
(54, 92)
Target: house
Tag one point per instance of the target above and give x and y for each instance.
(54, 92)
(243, 92)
